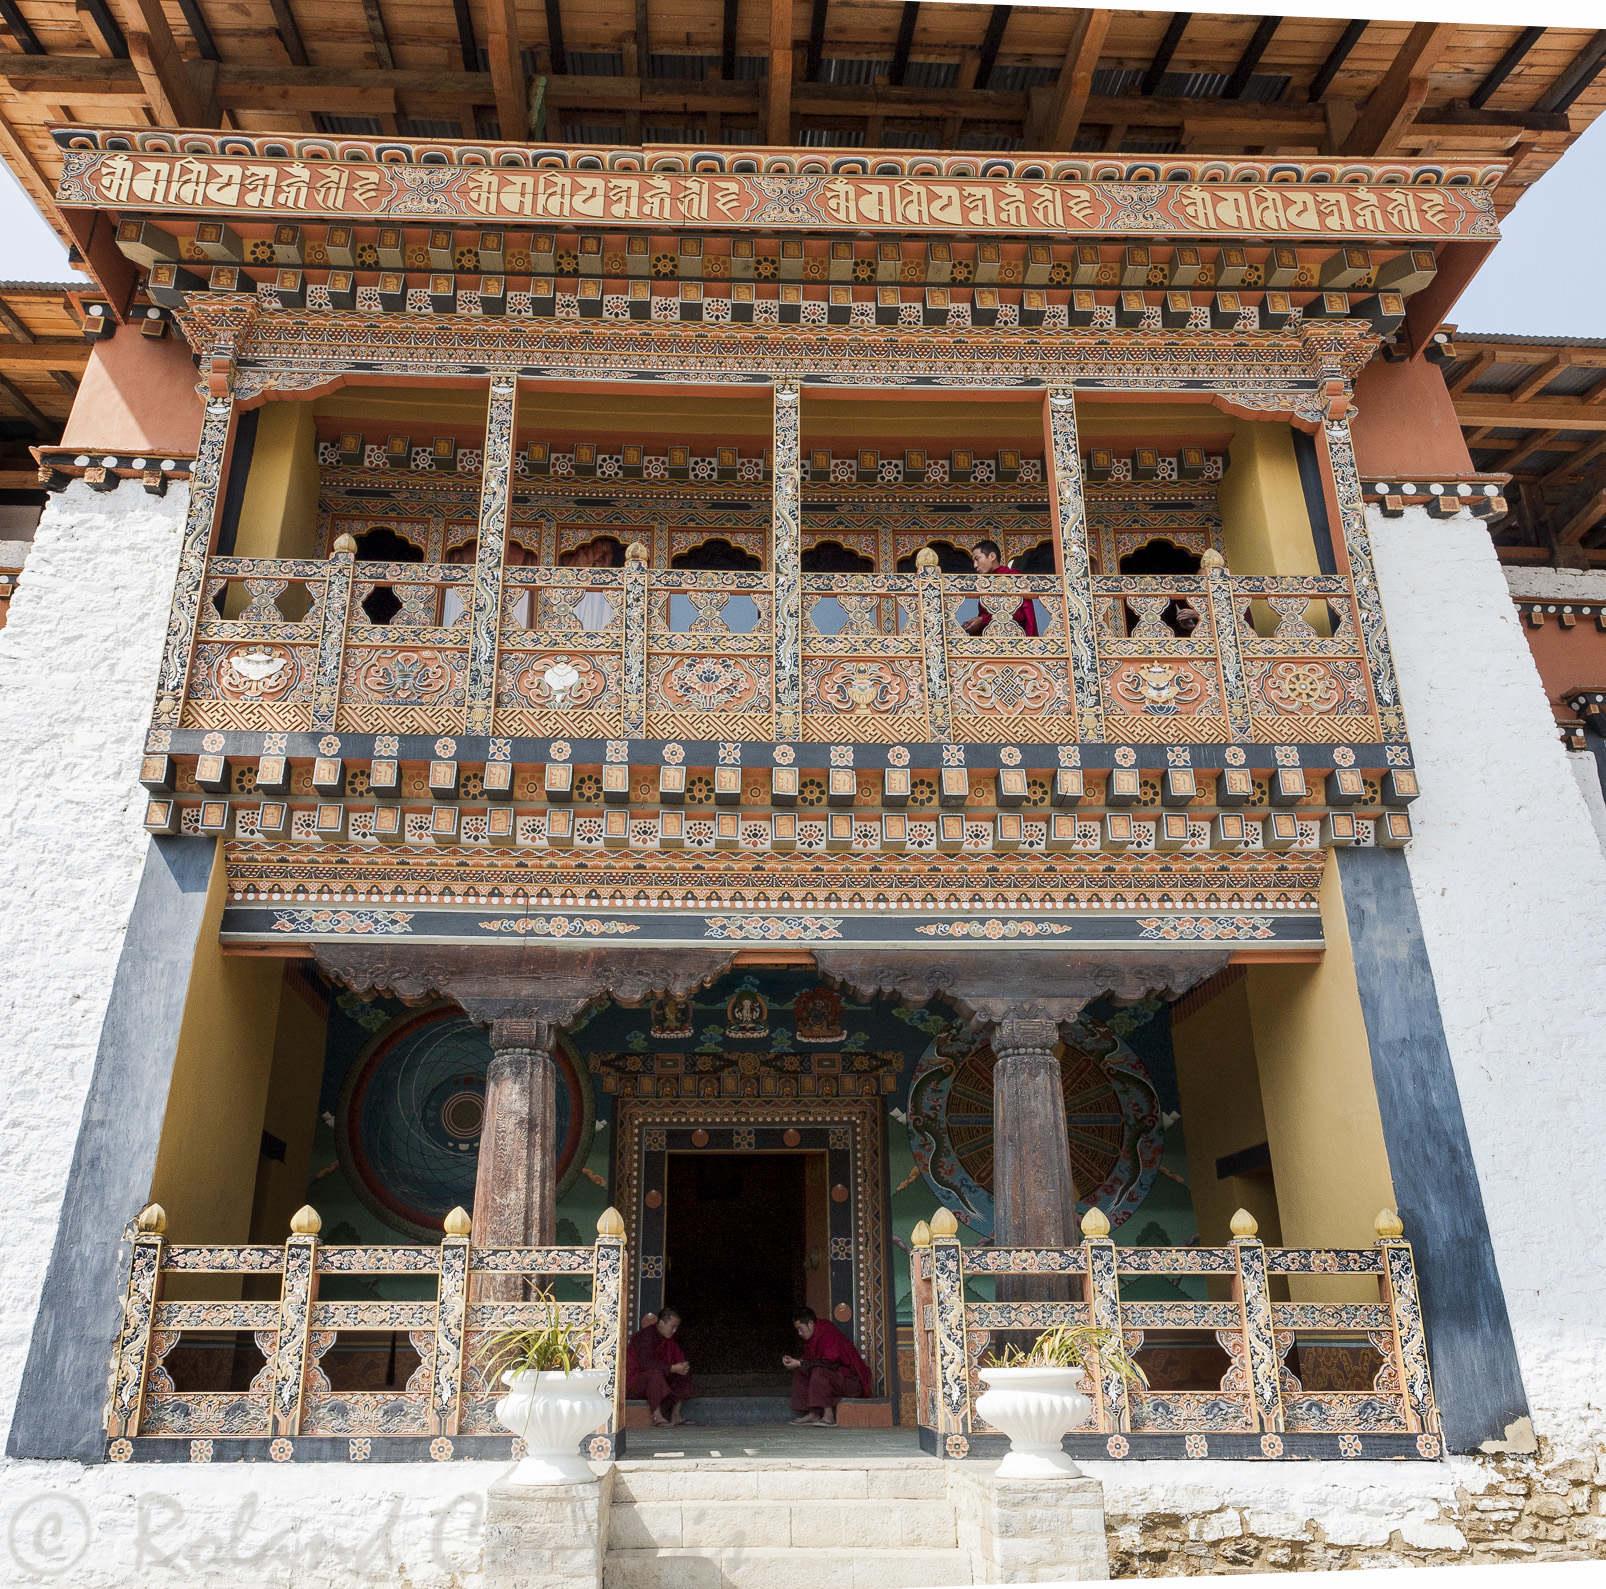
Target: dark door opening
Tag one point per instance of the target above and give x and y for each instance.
(736, 1251)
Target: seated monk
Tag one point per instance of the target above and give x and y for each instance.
(656, 1369)
(830, 1369)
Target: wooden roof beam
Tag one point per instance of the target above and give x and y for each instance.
(285, 25)
(10, 320)
(1464, 378)
(1578, 76)
(554, 38)
(1334, 64)
(1075, 86)
(1537, 442)
(778, 111)
(727, 42)
(1395, 101)
(27, 39)
(1583, 521)
(1559, 413)
(1504, 67)
(467, 44)
(906, 39)
(1168, 47)
(168, 86)
(991, 44)
(1534, 384)
(24, 406)
(377, 36)
(107, 36)
(507, 69)
(1581, 460)
(199, 31)
(53, 353)
(1264, 32)
(817, 19)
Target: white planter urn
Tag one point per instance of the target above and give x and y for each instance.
(1034, 1407)
(551, 1412)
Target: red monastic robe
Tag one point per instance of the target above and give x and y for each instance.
(829, 1345)
(1025, 614)
(648, 1360)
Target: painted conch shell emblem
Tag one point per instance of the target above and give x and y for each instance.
(562, 679)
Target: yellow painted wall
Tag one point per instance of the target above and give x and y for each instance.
(212, 1131)
(1265, 528)
(291, 1109)
(279, 514)
(1218, 1078)
(1322, 1119)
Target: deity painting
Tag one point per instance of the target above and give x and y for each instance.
(819, 1016)
(747, 1015)
(671, 1017)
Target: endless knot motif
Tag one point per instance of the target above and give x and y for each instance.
(1008, 688)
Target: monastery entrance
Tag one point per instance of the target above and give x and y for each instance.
(746, 1241)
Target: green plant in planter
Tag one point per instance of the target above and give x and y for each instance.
(542, 1348)
(1071, 1346)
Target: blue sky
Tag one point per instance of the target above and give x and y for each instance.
(1542, 280)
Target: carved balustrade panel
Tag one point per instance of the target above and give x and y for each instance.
(561, 643)
(709, 666)
(864, 674)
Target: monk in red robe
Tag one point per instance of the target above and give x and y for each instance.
(656, 1369)
(986, 558)
(829, 1369)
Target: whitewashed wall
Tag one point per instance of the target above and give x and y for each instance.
(1510, 883)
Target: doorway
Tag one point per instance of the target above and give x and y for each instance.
(745, 1242)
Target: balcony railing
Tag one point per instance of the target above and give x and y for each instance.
(343, 646)
(1259, 1395)
(449, 1394)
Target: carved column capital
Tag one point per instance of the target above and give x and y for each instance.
(1022, 1038)
(521, 1033)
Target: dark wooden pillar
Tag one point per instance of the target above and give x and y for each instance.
(515, 1189)
(1034, 1199)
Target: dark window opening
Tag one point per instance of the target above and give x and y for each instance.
(832, 557)
(386, 546)
(717, 554)
(951, 559)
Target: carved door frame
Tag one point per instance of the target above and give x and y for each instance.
(848, 1130)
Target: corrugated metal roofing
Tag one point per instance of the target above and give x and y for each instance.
(1511, 339)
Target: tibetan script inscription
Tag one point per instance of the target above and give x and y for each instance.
(479, 194)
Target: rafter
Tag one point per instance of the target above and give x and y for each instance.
(1475, 367)
(727, 43)
(1532, 385)
(1537, 442)
(778, 114)
(466, 42)
(1583, 521)
(377, 36)
(27, 39)
(1394, 103)
(817, 21)
(991, 43)
(1504, 67)
(1076, 78)
(554, 38)
(25, 406)
(1591, 454)
(1250, 59)
(169, 88)
(1578, 76)
(199, 31)
(507, 68)
(289, 31)
(1336, 57)
(1161, 63)
(906, 38)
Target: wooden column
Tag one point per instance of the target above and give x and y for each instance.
(786, 573)
(1062, 458)
(501, 418)
(515, 1189)
(1034, 1198)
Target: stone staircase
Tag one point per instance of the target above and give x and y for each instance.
(848, 1523)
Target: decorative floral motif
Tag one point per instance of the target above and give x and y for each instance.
(674, 755)
(1009, 755)
(1070, 755)
(1125, 756)
(992, 928)
(600, 1448)
(710, 684)
(401, 676)
(1196, 1446)
(773, 929)
(898, 756)
(256, 672)
(1234, 756)
(562, 682)
(1117, 1446)
(1429, 1447)
(861, 686)
(384, 745)
(120, 1450)
(1179, 928)
(1343, 756)
(329, 745)
(558, 750)
(1301, 687)
(281, 1450)
(559, 926)
(1271, 1445)
(440, 1449)
(445, 747)
(957, 1446)
(1349, 1445)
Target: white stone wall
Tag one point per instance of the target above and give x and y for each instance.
(1511, 884)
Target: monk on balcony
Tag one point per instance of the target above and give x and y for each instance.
(656, 1369)
(986, 558)
(829, 1369)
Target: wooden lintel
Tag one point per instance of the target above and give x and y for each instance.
(1554, 413)
(53, 353)
(268, 951)
(1282, 955)
(1395, 101)
(774, 957)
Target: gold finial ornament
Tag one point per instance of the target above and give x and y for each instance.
(1388, 1225)
(943, 1223)
(1095, 1224)
(636, 552)
(1211, 558)
(458, 1223)
(920, 1236)
(612, 1223)
(152, 1219)
(306, 1221)
(344, 543)
(1244, 1224)
(926, 558)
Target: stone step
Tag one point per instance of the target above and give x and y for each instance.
(799, 1524)
(842, 1479)
(781, 1568)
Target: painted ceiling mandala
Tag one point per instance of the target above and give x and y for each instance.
(1112, 1117)
(410, 1115)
